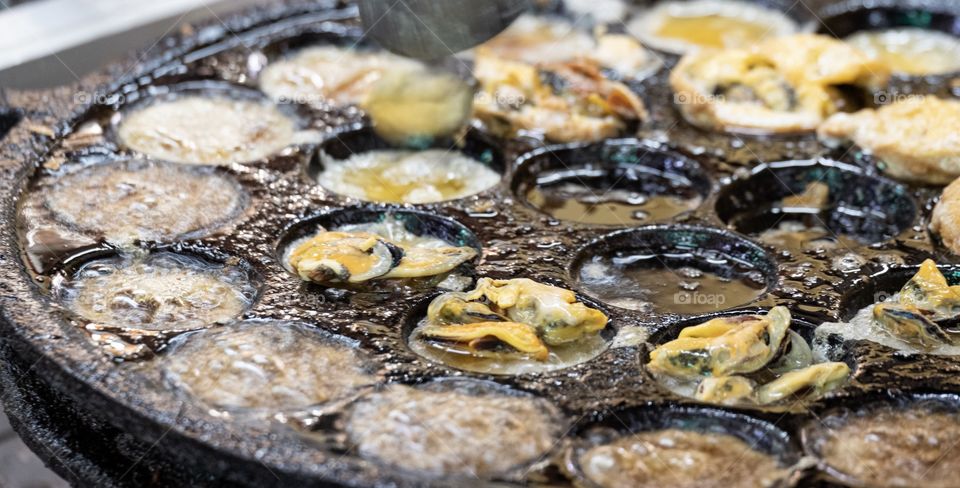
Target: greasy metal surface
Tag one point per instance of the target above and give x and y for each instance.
(517, 241)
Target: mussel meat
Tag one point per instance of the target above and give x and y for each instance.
(341, 257)
(725, 390)
(742, 344)
(811, 381)
(925, 312)
(521, 337)
(354, 257)
(520, 313)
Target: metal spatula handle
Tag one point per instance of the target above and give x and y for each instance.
(431, 29)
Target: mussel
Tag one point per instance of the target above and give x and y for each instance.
(555, 312)
(811, 381)
(340, 257)
(913, 136)
(926, 311)
(519, 313)
(723, 346)
(332, 257)
(929, 290)
(725, 390)
(915, 326)
(521, 337)
(769, 86)
(420, 262)
(565, 102)
(746, 359)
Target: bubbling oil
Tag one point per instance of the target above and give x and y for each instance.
(265, 365)
(452, 431)
(692, 282)
(892, 446)
(680, 458)
(157, 292)
(405, 176)
(122, 202)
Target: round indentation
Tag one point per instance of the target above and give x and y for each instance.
(160, 291)
(360, 164)
(206, 123)
(912, 41)
(311, 73)
(541, 39)
(490, 354)
(412, 235)
(815, 204)
(680, 27)
(674, 269)
(670, 445)
(456, 427)
(622, 183)
(124, 201)
(902, 327)
(846, 18)
(259, 364)
(703, 359)
(908, 440)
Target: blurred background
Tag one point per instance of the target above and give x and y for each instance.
(52, 42)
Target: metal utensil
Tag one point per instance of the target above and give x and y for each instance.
(431, 29)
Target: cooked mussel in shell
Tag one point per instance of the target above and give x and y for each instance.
(524, 316)
(769, 87)
(555, 312)
(745, 360)
(929, 290)
(421, 262)
(914, 137)
(540, 39)
(915, 326)
(340, 257)
(925, 312)
(723, 346)
(811, 381)
(521, 337)
(562, 102)
(458, 308)
(331, 257)
(725, 390)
